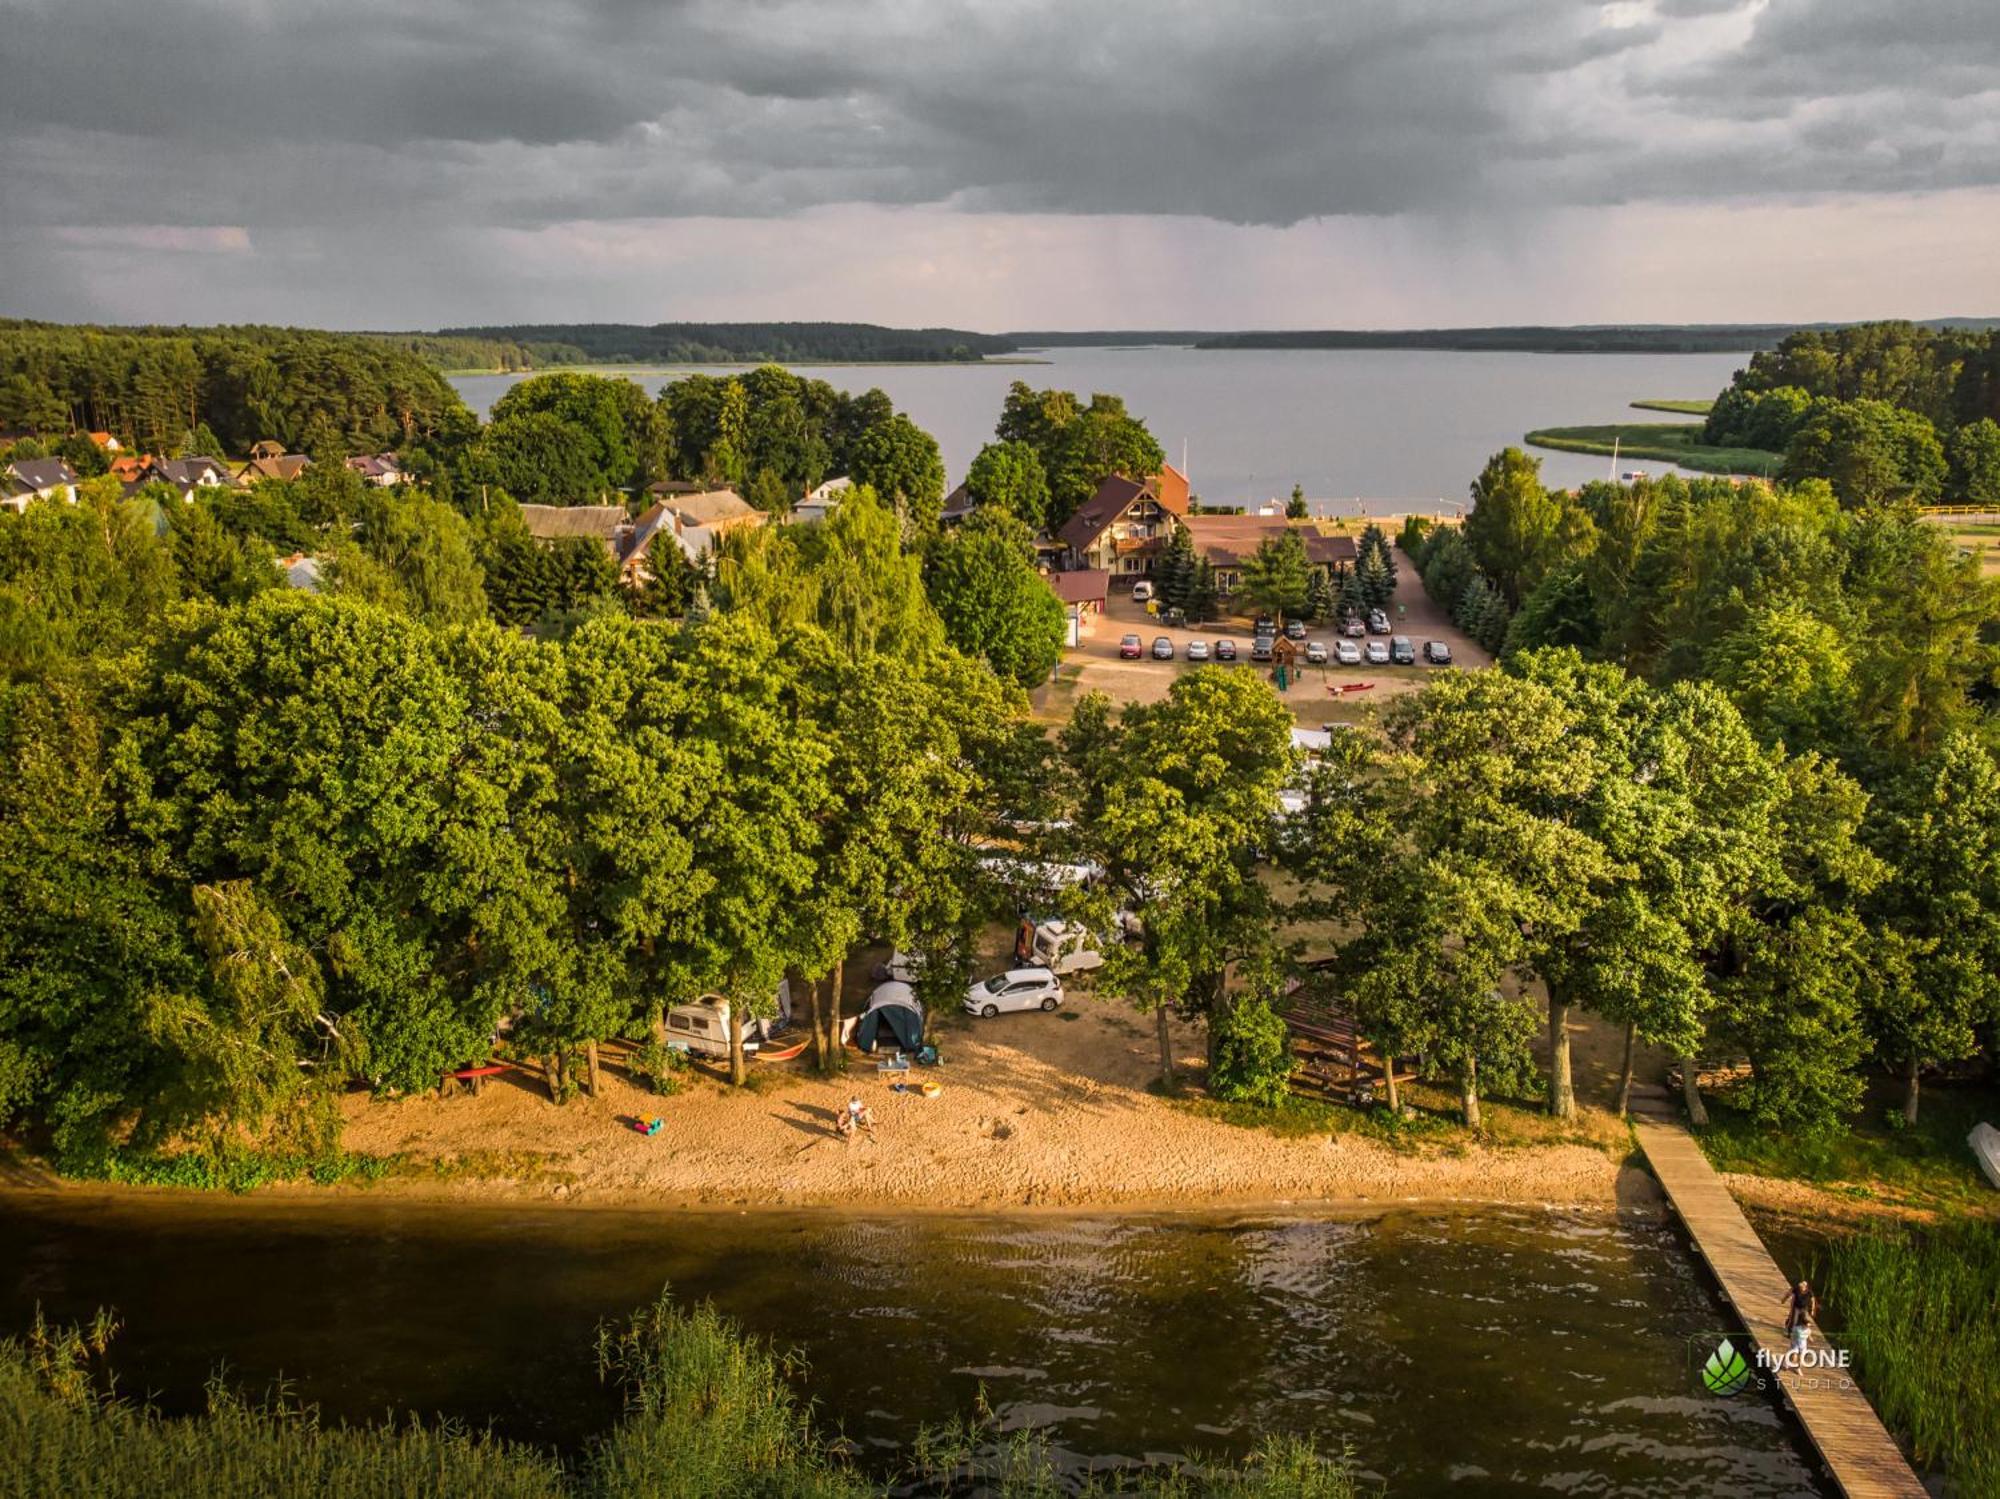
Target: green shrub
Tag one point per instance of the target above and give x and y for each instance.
(1251, 1054)
(660, 1067)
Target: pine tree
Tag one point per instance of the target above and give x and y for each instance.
(1173, 575)
(1320, 600)
(1374, 539)
(1378, 584)
(1201, 592)
(1353, 597)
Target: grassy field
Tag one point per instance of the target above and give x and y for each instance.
(1662, 442)
(1877, 1159)
(1683, 408)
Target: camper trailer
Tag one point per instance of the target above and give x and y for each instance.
(701, 1028)
(1063, 947)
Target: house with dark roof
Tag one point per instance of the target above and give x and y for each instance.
(1226, 542)
(378, 470)
(185, 476)
(28, 479)
(1123, 526)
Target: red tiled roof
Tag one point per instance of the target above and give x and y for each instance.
(1088, 585)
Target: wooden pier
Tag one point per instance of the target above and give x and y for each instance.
(1855, 1447)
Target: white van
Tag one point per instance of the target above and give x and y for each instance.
(1065, 947)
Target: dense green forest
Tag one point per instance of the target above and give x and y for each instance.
(155, 388)
(708, 1412)
(1879, 410)
(1858, 642)
(735, 343)
(1607, 338)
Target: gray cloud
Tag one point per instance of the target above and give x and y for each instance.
(379, 122)
(1262, 111)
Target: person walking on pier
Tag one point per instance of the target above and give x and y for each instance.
(1801, 1307)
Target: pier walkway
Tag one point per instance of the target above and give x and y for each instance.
(1850, 1438)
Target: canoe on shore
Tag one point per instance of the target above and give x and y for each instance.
(1985, 1143)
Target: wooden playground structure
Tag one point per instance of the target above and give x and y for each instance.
(1334, 1061)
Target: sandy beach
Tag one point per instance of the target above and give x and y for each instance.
(1037, 1110)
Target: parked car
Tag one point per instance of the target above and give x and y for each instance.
(1315, 653)
(1378, 653)
(1402, 652)
(1016, 989)
(1260, 648)
(1347, 653)
(1437, 653)
(1131, 648)
(1142, 592)
(1354, 627)
(1264, 623)
(1197, 650)
(1225, 650)
(1163, 648)
(1295, 629)
(1378, 622)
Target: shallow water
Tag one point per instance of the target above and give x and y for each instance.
(1490, 1352)
(1393, 427)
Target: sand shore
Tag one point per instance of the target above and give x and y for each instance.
(1036, 1111)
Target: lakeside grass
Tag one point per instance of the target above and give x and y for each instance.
(1919, 1310)
(1431, 1125)
(1682, 408)
(708, 1411)
(1662, 442)
(1877, 1159)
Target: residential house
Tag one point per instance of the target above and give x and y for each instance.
(269, 460)
(957, 506)
(1122, 528)
(301, 571)
(822, 500)
(106, 441)
(1228, 541)
(183, 475)
(717, 511)
(610, 524)
(28, 479)
(127, 467)
(379, 470)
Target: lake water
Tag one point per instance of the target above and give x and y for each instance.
(1494, 1352)
(1392, 427)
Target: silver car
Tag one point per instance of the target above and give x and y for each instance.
(1378, 653)
(1197, 650)
(1347, 653)
(1315, 653)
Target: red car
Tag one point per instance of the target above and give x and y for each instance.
(1131, 648)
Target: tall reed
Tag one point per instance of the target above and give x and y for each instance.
(1919, 1310)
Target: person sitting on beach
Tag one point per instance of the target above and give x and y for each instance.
(853, 1118)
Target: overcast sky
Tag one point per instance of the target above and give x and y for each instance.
(999, 163)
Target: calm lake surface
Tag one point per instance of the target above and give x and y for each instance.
(1351, 425)
(1489, 1352)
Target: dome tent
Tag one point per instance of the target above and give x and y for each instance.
(893, 1017)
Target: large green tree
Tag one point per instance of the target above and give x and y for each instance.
(1176, 799)
(983, 583)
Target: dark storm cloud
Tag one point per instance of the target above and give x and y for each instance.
(461, 114)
